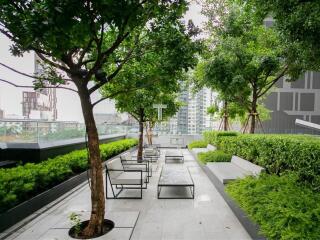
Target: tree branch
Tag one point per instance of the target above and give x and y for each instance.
(26, 86)
(83, 53)
(125, 91)
(273, 82)
(27, 75)
(111, 76)
(56, 65)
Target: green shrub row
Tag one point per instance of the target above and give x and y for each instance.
(214, 156)
(275, 152)
(283, 209)
(279, 153)
(21, 183)
(213, 137)
(197, 144)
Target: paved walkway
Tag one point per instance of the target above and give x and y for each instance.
(207, 217)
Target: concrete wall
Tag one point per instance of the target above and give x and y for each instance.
(294, 100)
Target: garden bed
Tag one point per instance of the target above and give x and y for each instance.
(283, 209)
(285, 201)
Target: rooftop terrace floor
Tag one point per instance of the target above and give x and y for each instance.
(207, 217)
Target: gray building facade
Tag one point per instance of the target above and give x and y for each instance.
(294, 100)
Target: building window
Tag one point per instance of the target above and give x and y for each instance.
(307, 101)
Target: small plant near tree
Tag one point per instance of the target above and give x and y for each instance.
(75, 220)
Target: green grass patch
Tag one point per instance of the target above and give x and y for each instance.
(21, 183)
(283, 209)
(214, 156)
(197, 144)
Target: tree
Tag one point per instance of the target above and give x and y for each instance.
(246, 60)
(169, 54)
(139, 104)
(299, 23)
(85, 43)
(217, 73)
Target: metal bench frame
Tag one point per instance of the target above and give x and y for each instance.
(124, 186)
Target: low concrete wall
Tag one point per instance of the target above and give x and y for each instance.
(36, 152)
(169, 141)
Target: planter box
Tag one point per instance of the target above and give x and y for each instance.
(37, 152)
(249, 226)
(23, 210)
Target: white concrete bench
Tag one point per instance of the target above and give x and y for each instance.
(207, 149)
(237, 168)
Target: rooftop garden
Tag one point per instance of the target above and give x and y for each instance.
(138, 53)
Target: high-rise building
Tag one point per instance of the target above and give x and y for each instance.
(42, 103)
(192, 117)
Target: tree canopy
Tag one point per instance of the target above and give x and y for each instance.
(245, 59)
(299, 23)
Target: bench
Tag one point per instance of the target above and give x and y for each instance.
(237, 168)
(207, 149)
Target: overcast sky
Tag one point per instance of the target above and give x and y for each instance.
(68, 104)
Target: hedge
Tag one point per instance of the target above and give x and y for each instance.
(197, 144)
(213, 137)
(277, 153)
(214, 156)
(283, 209)
(21, 183)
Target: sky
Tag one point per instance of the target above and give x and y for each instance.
(68, 103)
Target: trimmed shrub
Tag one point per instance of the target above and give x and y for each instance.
(279, 153)
(214, 156)
(213, 137)
(21, 183)
(283, 209)
(198, 144)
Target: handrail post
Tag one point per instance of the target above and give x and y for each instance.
(37, 132)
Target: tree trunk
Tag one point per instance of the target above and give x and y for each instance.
(225, 116)
(150, 132)
(147, 124)
(140, 144)
(253, 114)
(97, 188)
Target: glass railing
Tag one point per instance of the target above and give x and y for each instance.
(26, 131)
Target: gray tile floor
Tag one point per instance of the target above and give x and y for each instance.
(207, 217)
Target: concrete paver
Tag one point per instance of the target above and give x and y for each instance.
(207, 217)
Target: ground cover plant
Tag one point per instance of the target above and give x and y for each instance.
(213, 137)
(197, 144)
(283, 209)
(214, 156)
(21, 183)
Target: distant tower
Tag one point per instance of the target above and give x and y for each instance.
(39, 104)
